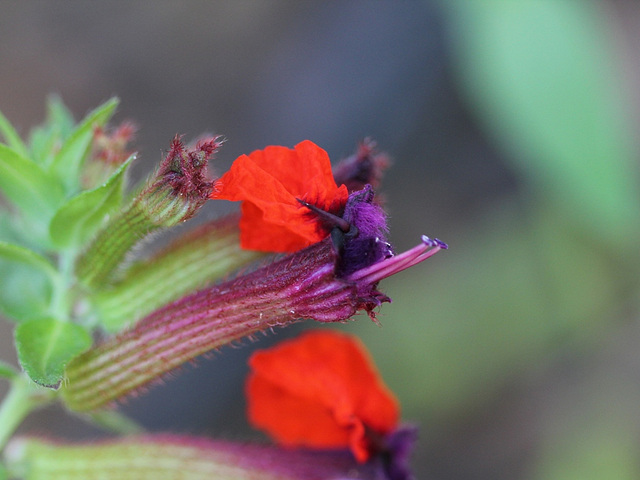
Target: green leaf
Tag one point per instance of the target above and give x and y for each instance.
(11, 136)
(45, 140)
(24, 183)
(43, 143)
(81, 216)
(7, 371)
(68, 161)
(8, 230)
(27, 257)
(542, 78)
(59, 115)
(45, 346)
(25, 283)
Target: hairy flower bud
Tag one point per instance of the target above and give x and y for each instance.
(365, 167)
(109, 151)
(172, 195)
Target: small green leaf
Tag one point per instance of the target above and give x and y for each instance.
(45, 346)
(27, 185)
(59, 115)
(25, 283)
(8, 230)
(68, 161)
(46, 139)
(28, 257)
(11, 136)
(81, 216)
(7, 371)
(44, 142)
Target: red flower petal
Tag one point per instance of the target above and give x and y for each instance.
(320, 390)
(268, 182)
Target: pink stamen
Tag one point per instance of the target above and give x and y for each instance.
(398, 263)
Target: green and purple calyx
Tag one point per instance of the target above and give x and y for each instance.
(177, 190)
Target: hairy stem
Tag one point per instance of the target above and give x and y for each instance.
(22, 399)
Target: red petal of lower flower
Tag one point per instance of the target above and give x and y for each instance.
(321, 371)
(293, 421)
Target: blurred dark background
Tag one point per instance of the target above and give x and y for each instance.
(512, 126)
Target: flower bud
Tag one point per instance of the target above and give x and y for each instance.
(172, 195)
(365, 167)
(109, 151)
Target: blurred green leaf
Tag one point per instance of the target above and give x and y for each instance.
(25, 256)
(46, 139)
(25, 283)
(58, 114)
(11, 137)
(542, 77)
(44, 142)
(17, 229)
(27, 186)
(7, 371)
(8, 231)
(82, 215)
(68, 161)
(45, 346)
(597, 447)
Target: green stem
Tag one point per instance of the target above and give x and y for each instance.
(60, 303)
(23, 397)
(116, 422)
